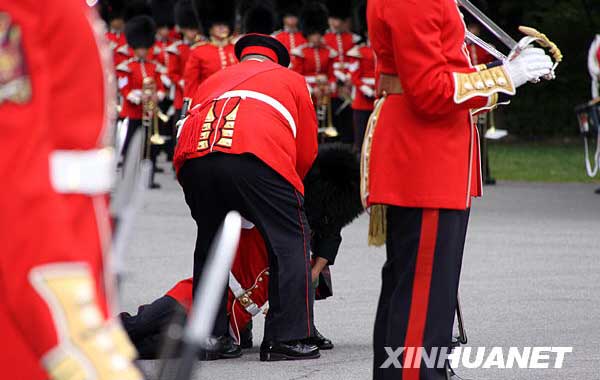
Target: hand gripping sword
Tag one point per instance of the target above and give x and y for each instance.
(531, 36)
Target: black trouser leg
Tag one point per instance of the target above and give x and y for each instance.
(342, 120)
(361, 118)
(419, 286)
(217, 183)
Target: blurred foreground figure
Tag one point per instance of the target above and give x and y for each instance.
(55, 83)
(420, 164)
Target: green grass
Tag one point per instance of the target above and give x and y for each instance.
(539, 162)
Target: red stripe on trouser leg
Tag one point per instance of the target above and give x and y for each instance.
(307, 261)
(420, 292)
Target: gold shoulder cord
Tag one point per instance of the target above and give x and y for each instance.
(377, 213)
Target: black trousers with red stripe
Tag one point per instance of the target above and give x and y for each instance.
(218, 183)
(419, 287)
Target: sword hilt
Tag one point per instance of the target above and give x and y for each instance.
(543, 41)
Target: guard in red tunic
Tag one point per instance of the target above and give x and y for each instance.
(290, 36)
(164, 18)
(314, 60)
(112, 13)
(134, 8)
(208, 57)
(361, 68)
(341, 39)
(179, 51)
(249, 140)
(420, 168)
(133, 73)
(56, 107)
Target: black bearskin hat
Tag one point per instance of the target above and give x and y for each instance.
(341, 9)
(140, 32)
(258, 19)
(209, 12)
(314, 19)
(289, 8)
(361, 18)
(184, 15)
(137, 8)
(111, 9)
(332, 190)
(162, 13)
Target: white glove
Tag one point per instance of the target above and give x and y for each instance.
(135, 96)
(530, 65)
(368, 91)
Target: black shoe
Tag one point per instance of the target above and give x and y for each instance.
(223, 348)
(597, 191)
(490, 181)
(159, 170)
(155, 186)
(294, 350)
(246, 337)
(320, 341)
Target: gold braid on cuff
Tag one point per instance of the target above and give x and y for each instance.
(485, 82)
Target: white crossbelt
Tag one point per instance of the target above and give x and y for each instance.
(266, 99)
(82, 171)
(368, 81)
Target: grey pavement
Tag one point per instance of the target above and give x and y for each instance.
(531, 277)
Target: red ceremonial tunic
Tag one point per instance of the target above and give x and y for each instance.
(205, 59)
(425, 147)
(115, 40)
(131, 77)
(179, 52)
(125, 52)
(56, 96)
(250, 269)
(254, 107)
(290, 40)
(341, 42)
(362, 73)
(315, 61)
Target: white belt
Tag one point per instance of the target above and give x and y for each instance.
(240, 294)
(266, 99)
(368, 81)
(82, 171)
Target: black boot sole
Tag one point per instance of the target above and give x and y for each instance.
(205, 356)
(277, 356)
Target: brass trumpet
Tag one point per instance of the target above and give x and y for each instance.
(323, 107)
(151, 113)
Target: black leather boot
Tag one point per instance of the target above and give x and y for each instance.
(222, 348)
(320, 341)
(294, 350)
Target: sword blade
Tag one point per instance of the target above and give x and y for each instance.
(490, 25)
(485, 46)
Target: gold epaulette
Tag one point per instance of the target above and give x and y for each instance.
(484, 82)
(199, 43)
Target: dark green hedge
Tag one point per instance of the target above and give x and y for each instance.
(546, 110)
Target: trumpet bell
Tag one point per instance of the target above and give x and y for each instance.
(330, 132)
(157, 139)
